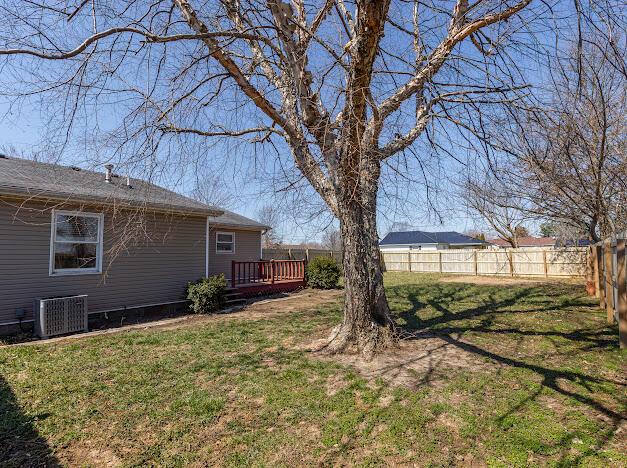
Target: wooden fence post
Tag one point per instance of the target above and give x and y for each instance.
(307, 254)
(590, 283)
(609, 284)
(595, 252)
(476, 261)
(621, 280)
(409, 260)
(440, 260)
(546, 265)
(601, 263)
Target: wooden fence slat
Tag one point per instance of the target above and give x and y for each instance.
(564, 262)
(609, 286)
(621, 282)
(596, 252)
(601, 263)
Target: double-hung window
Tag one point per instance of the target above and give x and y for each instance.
(225, 242)
(76, 243)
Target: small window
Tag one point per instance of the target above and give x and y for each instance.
(76, 243)
(225, 242)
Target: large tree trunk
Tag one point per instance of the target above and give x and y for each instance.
(367, 324)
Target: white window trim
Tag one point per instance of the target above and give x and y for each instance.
(99, 245)
(222, 252)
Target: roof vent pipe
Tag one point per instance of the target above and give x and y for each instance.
(109, 173)
(128, 182)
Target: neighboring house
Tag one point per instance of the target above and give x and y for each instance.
(526, 241)
(539, 243)
(126, 243)
(421, 240)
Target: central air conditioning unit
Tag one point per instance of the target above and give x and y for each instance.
(60, 315)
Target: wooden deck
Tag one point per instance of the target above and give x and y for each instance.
(261, 278)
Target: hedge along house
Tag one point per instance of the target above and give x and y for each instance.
(123, 242)
(402, 241)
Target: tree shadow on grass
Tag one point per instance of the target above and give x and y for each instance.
(484, 312)
(20, 443)
(494, 316)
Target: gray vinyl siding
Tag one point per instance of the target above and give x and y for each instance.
(153, 269)
(247, 249)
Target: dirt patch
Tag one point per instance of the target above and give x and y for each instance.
(269, 308)
(506, 280)
(78, 455)
(417, 362)
(307, 299)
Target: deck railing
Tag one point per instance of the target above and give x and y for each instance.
(271, 271)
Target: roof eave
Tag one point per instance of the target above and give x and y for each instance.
(245, 227)
(121, 203)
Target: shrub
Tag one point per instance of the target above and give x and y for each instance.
(323, 273)
(207, 294)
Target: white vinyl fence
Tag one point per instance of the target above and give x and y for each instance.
(564, 262)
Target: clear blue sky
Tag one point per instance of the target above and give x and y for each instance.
(245, 179)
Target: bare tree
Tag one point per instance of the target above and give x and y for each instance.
(495, 204)
(270, 216)
(345, 86)
(400, 226)
(211, 189)
(332, 239)
(570, 154)
(476, 234)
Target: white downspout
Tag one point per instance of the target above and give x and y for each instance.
(207, 248)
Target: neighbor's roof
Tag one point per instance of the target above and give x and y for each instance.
(527, 241)
(423, 237)
(230, 219)
(39, 180)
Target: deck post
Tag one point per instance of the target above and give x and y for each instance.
(609, 286)
(233, 280)
(621, 280)
(272, 271)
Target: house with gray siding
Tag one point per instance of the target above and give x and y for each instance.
(124, 242)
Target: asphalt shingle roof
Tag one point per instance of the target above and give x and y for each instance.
(233, 219)
(423, 237)
(35, 179)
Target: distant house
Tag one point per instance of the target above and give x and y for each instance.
(422, 240)
(527, 241)
(125, 243)
(539, 243)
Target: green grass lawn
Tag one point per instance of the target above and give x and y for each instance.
(550, 389)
